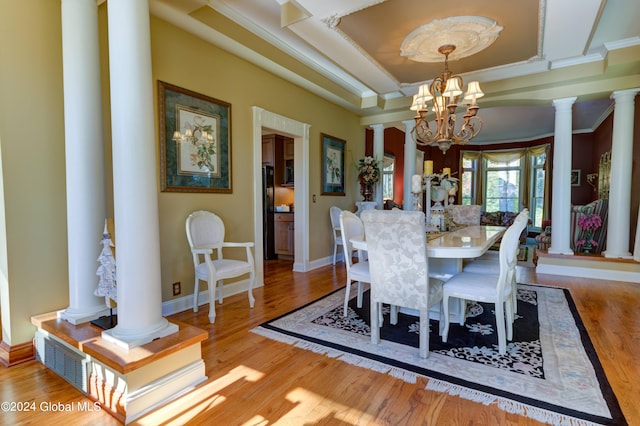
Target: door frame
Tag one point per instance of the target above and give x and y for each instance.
(272, 122)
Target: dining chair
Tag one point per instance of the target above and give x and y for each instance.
(351, 226)
(205, 233)
(465, 214)
(334, 213)
(397, 246)
(489, 263)
(488, 288)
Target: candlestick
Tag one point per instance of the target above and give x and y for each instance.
(416, 183)
(428, 167)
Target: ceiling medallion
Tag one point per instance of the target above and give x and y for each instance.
(469, 34)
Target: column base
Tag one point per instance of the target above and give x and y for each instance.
(608, 254)
(128, 342)
(80, 317)
(553, 250)
(126, 385)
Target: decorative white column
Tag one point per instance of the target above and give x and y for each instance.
(378, 154)
(134, 178)
(561, 210)
(84, 156)
(620, 184)
(409, 164)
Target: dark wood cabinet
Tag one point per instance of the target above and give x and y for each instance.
(284, 234)
(277, 151)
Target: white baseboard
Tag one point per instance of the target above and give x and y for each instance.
(185, 303)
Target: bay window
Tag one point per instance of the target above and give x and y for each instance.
(506, 180)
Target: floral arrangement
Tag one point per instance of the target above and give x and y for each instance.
(588, 223)
(368, 171)
(448, 183)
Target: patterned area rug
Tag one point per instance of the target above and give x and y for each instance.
(550, 372)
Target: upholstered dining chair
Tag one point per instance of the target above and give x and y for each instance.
(397, 247)
(351, 226)
(489, 288)
(334, 213)
(489, 263)
(465, 214)
(205, 233)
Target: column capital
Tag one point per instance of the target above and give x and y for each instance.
(564, 102)
(627, 93)
(377, 127)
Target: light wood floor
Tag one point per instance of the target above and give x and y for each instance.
(255, 381)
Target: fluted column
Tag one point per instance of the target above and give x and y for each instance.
(378, 154)
(84, 156)
(409, 163)
(620, 184)
(561, 210)
(134, 177)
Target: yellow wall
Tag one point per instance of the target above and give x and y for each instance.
(32, 137)
(33, 169)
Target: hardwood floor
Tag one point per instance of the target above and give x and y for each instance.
(255, 381)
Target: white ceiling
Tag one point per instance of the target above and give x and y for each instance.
(345, 51)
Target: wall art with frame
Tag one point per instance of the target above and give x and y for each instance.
(332, 157)
(575, 177)
(194, 163)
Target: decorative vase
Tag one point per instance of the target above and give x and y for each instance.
(588, 247)
(366, 189)
(438, 194)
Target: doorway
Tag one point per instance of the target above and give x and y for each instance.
(264, 120)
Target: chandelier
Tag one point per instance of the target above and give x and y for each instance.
(444, 92)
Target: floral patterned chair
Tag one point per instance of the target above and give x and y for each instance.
(396, 242)
(599, 207)
(465, 214)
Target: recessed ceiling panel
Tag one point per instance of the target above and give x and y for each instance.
(380, 29)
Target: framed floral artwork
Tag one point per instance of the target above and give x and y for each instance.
(195, 141)
(332, 168)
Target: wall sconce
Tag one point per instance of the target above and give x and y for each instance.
(592, 179)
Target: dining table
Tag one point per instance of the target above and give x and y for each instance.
(447, 251)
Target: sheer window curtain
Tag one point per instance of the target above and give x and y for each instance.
(525, 155)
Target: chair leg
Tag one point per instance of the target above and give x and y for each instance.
(424, 332)
(375, 326)
(252, 277)
(509, 319)
(393, 317)
(500, 324)
(196, 290)
(462, 308)
(219, 287)
(445, 318)
(212, 301)
(347, 292)
(335, 250)
(360, 292)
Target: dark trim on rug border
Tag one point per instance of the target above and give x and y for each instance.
(617, 416)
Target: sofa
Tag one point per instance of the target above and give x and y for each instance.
(501, 218)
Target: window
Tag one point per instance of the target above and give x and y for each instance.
(388, 167)
(538, 179)
(467, 180)
(503, 186)
(506, 180)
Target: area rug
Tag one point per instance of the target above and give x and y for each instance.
(550, 372)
